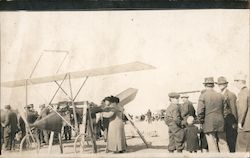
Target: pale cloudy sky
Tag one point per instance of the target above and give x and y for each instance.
(184, 45)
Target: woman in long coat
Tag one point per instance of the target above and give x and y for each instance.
(116, 140)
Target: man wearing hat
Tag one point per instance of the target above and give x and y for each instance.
(243, 110)
(10, 128)
(173, 120)
(230, 113)
(187, 109)
(31, 117)
(210, 115)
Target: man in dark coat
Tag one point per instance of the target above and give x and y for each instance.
(10, 128)
(31, 117)
(173, 120)
(230, 113)
(187, 109)
(243, 109)
(210, 114)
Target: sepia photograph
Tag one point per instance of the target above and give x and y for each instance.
(125, 83)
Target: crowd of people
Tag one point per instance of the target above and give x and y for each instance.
(220, 124)
(222, 121)
(13, 127)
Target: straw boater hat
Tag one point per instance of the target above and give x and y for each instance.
(221, 80)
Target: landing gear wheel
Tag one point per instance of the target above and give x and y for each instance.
(27, 143)
(80, 144)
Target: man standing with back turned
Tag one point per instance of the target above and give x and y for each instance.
(230, 113)
(210, 114)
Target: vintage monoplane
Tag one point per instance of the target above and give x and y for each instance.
(53, 121)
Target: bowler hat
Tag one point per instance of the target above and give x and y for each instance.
(240, 76)
(174, 95)
(221, 80)
(209, 80)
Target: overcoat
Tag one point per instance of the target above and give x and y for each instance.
(116, 140)
(191, 134)
(243, 109)
(230, 114)
(210, 111)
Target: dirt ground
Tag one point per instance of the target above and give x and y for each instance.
(155, 133)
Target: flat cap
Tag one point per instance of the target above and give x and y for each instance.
(174, 95)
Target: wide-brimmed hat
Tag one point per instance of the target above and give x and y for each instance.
(106, 99)
(209, 80)
(114, 99)
(221, 80)
(174, 95)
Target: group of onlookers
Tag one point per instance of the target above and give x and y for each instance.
(221, 123)
(223, 119)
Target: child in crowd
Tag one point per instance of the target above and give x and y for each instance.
(192, 141)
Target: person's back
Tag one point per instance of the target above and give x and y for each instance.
(213, 102)
(31, 116)
(13, 121)
(210, 115)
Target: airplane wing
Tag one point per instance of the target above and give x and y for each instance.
(134, 66)
(187, 92)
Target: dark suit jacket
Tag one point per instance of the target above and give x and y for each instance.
(187, 109)
(231, 100)
(10, 122)
(243, 108)
(210, 111)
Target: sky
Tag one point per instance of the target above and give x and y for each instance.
(185, 46)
